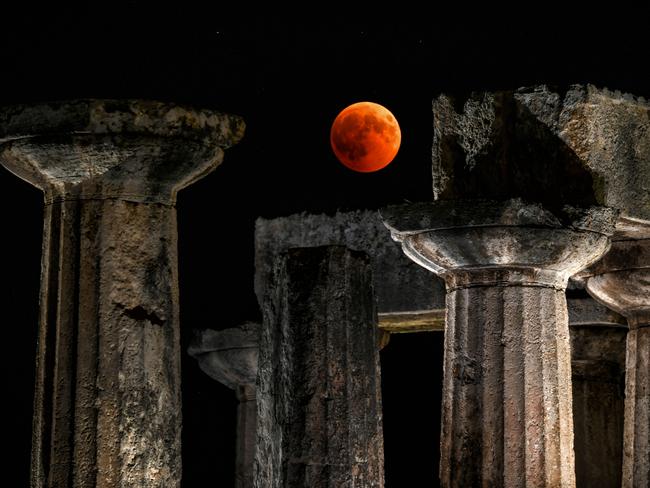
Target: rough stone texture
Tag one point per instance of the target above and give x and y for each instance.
(636, 443)
(506, 401)
(126, 149)
(598, 377)
(448, 237)
(119, 117)
(507, 410)
(107, 401)
(230, 356)
(246, 436)
(621, 281)
(400, 285)
(319, 401)
(582, 146)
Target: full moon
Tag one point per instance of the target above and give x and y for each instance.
(365, 137)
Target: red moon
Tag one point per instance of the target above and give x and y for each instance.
(365, 137)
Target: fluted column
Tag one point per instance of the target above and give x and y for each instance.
(230, 356)
(621, 281)
(598, 373)
(246, 435)
(507, 411)
(107, 408)
(319, 401)
(636, 440)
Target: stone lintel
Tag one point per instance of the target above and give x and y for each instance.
(581, 145)
(418, 321)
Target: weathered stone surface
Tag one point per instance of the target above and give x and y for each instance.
(598, 376)
(582, 146)
(120, 117)
(230, 356)
(246, 436)
(448, 237)
(636, 443)
(400, 285)
(319, 401)
(507, 411)
(621, 281)
(132, 150)
(107, 406)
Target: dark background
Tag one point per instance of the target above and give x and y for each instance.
(288, 78)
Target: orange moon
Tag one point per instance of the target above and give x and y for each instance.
(365, 137)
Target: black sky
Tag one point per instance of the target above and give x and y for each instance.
(288, 78)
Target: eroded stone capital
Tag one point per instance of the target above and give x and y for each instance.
(489, 243)
(621, 280)
(142, 151)
(229, 356)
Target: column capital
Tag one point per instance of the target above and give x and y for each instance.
(229, 356)
(487, 243)
(134, 150)
(621, 280)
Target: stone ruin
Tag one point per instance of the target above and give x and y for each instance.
(534, 190)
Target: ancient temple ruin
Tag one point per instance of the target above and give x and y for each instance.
(534, 192)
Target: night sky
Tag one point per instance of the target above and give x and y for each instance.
(288, 78)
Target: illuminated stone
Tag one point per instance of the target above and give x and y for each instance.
(507, 415)
(107, 403)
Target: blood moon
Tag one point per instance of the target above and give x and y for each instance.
(365, 137)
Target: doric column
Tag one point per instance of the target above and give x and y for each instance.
(230, 357)
(507, 412)
(319, 402)
(621, 281)
(107, 408)
(598, 373)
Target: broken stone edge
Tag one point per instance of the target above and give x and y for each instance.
(417, 218)
(106, 117)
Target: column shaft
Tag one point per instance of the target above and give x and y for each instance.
(107, 404)
(598, 372)
(598, 424)
(621, 281)
(636, 440)
(319, 403)
(507, 398)
(229, 356)
(246, 436)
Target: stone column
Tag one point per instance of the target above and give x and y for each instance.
(319, 402)
(598, 372)
(507, 412)
(107, 409)
(621, 281)
(230, 357)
